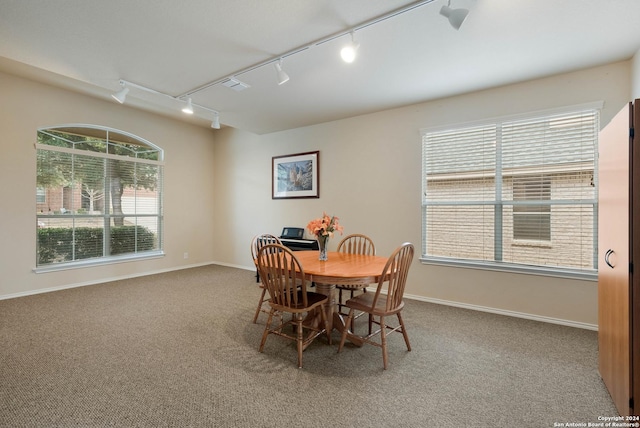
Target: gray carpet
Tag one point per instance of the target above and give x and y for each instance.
(179, 350)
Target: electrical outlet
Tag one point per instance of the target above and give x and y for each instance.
(186, 255)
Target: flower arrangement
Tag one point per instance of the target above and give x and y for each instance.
(324, 226)
(323, 229)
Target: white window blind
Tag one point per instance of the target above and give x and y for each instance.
(103, 196)
(513, 192)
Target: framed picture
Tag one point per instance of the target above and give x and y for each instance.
(295, 176)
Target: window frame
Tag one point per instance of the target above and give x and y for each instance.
(107, 215)
(502, 266)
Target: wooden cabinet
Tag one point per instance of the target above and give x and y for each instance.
(618, 257)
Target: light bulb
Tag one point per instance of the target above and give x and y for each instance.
(188, 109)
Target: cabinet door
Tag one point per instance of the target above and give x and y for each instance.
(614, 324)
(635, 258)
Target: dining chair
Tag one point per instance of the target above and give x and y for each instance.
(356, 243)
(284, 279)
(380, 306)
(258, 242)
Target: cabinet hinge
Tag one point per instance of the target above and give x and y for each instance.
(631, 403)
(631, 132)
(630, 267)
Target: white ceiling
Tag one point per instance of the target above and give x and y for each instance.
(176, 46)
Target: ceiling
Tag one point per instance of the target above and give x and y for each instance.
(174, 47)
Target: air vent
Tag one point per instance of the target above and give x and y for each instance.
(235, 84)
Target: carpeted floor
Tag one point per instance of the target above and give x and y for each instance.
(179, 350)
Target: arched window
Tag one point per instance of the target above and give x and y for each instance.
(98, 196)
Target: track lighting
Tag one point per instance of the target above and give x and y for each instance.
(456, 16)
(348, 53)
(282, 76)
(121, 94)
(215, 123)
(188, 108)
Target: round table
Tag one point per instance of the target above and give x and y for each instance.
(355, 270)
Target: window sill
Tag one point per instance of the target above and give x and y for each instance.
(531, 243)
(513, 268)
(99, 262)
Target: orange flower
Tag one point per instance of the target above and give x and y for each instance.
(324, 226)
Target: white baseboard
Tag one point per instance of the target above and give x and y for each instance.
(97, 281)
(551, 320)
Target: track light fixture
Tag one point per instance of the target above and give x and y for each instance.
(282, 76)
(121, 94)
(188, 109)
(349, 52)
(215, 123)
(304, 48)
(456, 16)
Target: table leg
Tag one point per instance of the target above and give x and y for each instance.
(329, 309)
(334, 319)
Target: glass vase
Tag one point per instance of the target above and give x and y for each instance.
(322, 245)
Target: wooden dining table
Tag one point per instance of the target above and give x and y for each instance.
(354, 270)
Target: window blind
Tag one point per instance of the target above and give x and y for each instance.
(520, 192)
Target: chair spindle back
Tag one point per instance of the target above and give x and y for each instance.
(260, 241)
(357, 244)
(397, 269)
(282, 274)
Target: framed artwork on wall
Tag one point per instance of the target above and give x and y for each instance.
(295, 176)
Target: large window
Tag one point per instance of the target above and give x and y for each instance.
(515, 194)
(98, 197)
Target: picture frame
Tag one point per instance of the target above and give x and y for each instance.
(295, 176)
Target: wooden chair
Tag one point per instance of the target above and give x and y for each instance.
(353, 244)
(382, 306)
(283, 277)
(258, 242)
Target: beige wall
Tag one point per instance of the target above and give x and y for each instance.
(26, 106)
(370, 176)
(218, 193)
(635, 71)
